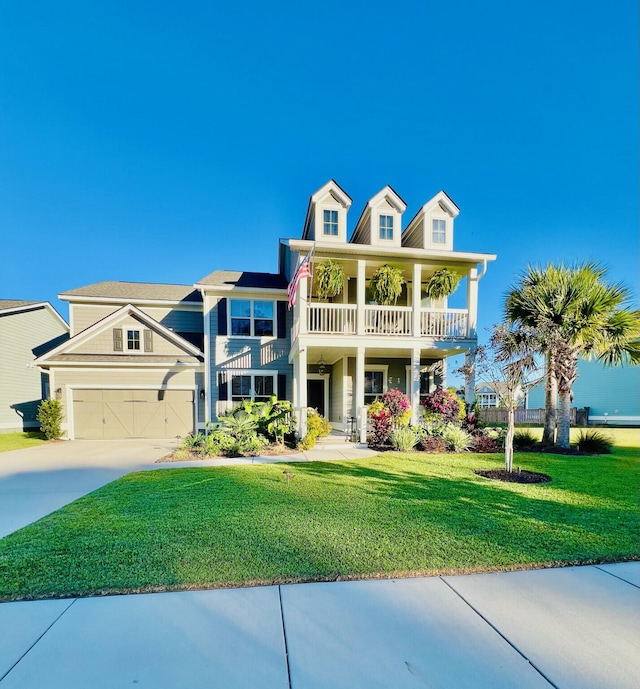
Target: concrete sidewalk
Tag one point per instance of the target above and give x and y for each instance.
(572, 628)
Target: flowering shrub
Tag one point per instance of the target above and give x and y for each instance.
(392, 410)
(398, 406)
(380, 422)
(443, 403)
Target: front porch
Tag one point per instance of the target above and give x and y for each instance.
(341, 382)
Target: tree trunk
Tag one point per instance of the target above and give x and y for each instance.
(550, 401)
(508, 441)
(564, 418)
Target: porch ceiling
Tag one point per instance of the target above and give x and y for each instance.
(332, 354)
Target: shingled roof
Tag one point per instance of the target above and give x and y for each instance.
(136, 291)
(236, 278)
(8, 304)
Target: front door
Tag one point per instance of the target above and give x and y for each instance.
(315, 394)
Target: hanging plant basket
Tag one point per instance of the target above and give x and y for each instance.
(329, 278)
(386, 285)
(441, 284)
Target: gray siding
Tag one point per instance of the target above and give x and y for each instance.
(180, 320)
(24, 335)
(229, 354)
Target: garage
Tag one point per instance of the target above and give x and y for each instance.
(112, 414)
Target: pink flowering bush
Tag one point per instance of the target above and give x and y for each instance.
(392, 410)
(445, 404)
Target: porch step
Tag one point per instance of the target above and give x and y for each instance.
(338, 441)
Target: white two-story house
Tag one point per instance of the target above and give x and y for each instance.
(143, 358)
(339, 354)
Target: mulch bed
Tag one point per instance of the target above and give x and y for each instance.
(516, 476)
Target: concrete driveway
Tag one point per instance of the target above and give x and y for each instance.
(38, 480)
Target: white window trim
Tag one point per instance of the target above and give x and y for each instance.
(393, 226)
(249, 372)
(385, 374)
(128, 330)
(337, 223)
(446, 228)
(252, 319)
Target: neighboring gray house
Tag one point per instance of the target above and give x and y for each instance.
(28, 329)
(612, 393)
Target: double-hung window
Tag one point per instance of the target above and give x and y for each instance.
(330, 223)
(438, 231)
(133, 339)
(374, 382)
(256, 387)
(251, 318)
(386, 227)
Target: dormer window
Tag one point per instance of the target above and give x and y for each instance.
(386, 227)
(439, 231)
(330, 224)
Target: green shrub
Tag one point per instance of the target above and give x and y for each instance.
(403, 438)
(317, 424)
(594, 443)
(50, 418)
(523, 440)
(192, 441)
(308, 442)
(456, 438)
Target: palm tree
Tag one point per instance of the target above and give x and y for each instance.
(581, 315)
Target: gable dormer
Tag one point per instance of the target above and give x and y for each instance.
(326, 219)
(380, 222)
(432, 226)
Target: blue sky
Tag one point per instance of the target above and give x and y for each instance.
(157, 142)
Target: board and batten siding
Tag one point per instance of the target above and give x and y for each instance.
(21, 382)
(229, 354)
(179, 320)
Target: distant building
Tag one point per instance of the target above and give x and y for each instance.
(28, 329)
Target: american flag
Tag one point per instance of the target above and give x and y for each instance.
(302, 272)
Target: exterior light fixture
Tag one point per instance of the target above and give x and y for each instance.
(321, 365)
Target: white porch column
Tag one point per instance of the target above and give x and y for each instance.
(470, 382)
(301, 303)
(301, 380)
(359, 393)
(415, 386)
(472, 301)
(416, 289)
(360, 292)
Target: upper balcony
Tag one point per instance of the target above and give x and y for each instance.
(397, 321)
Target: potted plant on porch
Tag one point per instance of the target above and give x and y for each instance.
(329, 278)
(386, 285)
(441, 284)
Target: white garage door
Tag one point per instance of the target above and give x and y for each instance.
(110, 414)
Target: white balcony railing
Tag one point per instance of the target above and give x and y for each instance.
(388, 320)
(342, 319)
(332, 318)
(444, 323)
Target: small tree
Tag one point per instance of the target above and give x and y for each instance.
(509, 365)
(50, 418)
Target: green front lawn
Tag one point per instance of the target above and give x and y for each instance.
(390, 515)
(18, 441)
